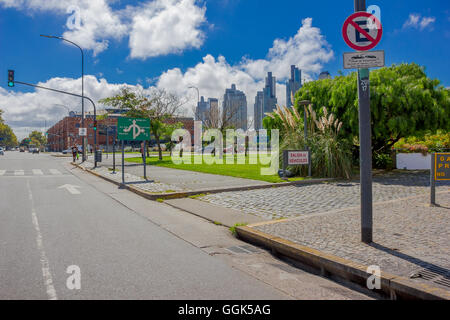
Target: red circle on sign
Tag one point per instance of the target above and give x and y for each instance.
(349, 22)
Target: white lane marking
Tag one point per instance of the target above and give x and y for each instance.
(19, 172)
(45, 265)
(55, 172)
(37, 172)
(2, 172)
(71, 188)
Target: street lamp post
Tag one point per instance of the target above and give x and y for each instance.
(198, 92)
(82, 86)
(197, 143)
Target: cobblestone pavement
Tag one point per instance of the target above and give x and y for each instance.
(409, 236)
(147, 185)
(294, 201)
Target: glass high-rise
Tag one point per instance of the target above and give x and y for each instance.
(235, 108)
(265, 101)
(293, 85)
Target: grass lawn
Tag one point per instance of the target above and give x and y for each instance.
(247, 171)
(152, 153)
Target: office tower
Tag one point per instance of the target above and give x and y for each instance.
(258, 110)
(235, 108)
(202, 110)
(270, 94)
(293, 85)
(265, 101)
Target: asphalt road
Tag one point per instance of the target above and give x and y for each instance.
(55, 219)
(45, 229)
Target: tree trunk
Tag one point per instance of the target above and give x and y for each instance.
(159, 147)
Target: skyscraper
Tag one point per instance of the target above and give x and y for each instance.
(202, 109)
(265, 101)
(258, 111)
(235, 108)
(293, 85)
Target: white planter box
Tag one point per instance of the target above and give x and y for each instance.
(413, 161)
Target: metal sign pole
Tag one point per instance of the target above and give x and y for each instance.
(114, 156)
(365, 140)
(433, 180)
(145, 159)
(123, 162)
(107, 143)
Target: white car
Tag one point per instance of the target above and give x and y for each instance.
(2, 152)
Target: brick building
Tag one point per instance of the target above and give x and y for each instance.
(64, 134)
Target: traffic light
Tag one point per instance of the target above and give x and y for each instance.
(10, 78)
(95, 125)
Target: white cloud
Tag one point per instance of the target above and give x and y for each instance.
(157, 27)
(166, 26)
(90, 23)
(426, 21)
(29, 111)
(307, 49)
(417, 22)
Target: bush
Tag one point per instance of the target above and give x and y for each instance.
(424, 143)
(383, 161)
(331, 155)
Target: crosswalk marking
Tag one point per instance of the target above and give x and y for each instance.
(31, 173)
(55, 172)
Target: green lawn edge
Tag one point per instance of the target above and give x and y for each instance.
(245, 171)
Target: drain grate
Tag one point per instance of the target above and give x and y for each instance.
(434, 274)
(246, 249)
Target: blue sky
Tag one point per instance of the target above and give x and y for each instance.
(147, 39)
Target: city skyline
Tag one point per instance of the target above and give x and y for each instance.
(222, 45)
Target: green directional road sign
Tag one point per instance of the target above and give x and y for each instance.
(133, 129)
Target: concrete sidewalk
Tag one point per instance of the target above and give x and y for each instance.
(410, 244)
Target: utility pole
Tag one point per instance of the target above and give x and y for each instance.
(365, 142)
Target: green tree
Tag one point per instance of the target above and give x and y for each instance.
(37, 138)
(159, 106)
(403, 101)
(9, 139)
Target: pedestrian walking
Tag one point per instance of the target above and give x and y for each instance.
(74, 153)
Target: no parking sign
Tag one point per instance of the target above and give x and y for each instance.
(362, 31)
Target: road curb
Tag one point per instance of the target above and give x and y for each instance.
(396, 287)
(186, 194)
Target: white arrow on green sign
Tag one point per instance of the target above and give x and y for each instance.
(133, 129)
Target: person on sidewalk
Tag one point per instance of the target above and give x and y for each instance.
(74, 153)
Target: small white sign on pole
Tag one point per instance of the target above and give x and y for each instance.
(296, 158)
(364, 60)
(82, 132)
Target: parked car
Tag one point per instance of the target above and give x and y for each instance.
(67, 151)
(2, 152)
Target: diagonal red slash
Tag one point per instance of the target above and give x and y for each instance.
(362, 31)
